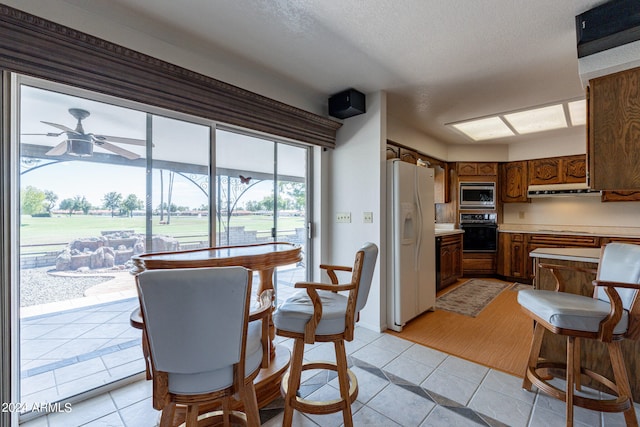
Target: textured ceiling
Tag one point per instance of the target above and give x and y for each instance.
(439, 61)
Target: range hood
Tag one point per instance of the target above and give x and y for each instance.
(551, 190)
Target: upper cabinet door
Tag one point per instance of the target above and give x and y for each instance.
(477, 168)
(514, 181)
(614, 131)
(545, 171)
(574, 168)
(558, 170)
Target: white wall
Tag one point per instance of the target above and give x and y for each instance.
(573, 211)
(398, 131)
(357, 183)
(478, 153)
(575, 142)
(176, 49)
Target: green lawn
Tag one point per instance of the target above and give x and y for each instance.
(62, 229)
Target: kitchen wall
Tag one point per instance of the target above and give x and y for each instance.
(547, 144)
(573, 211)
(399, 132)
(357, 184)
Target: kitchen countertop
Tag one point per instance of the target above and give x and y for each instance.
(445, 229)
(568, 254)
(444, 232)
(570, 230)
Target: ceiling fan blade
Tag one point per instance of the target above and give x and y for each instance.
(118, 150)
(61, 127)
(58, 149)
(121, 140)
(44, 134)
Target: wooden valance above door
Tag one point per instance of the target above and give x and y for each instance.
(40, 48)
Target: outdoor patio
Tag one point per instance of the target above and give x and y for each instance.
(72, 346)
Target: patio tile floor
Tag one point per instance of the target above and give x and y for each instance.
(73, 346)
(67, 351)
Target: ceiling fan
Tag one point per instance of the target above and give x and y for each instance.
(79, 143)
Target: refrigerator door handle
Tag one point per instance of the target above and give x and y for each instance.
(418, 250)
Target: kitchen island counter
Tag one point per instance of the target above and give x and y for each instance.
(589, 255)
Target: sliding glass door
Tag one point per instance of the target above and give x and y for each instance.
(261, 195)
(100, 181)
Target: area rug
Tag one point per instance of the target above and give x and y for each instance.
(470, 298)
(520, 287)
(498, 338)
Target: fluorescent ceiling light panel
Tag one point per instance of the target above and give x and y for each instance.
(481, 129)
(578, 112)
(537, 120)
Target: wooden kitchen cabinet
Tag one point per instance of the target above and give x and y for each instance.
(514, 248)
(393, 152)
(574, 169)
(479, 264)
(514, 182)
(562, 241)
(450, 260)
(558, 170)
(545, 171)
(620, 196)
(514, 257)
(408, 156)
(632, 240)
(613, 129)
(535, 241)
(477, 168)
(442, 183)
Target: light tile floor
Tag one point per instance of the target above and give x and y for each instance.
(401, 384)
(90, 343)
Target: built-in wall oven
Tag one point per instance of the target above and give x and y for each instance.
(478, 195)
(480, 232)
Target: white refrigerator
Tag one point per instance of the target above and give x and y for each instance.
(411, 275)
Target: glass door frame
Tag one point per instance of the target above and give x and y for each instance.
(10, 377)
(309, 158)
(10, 217)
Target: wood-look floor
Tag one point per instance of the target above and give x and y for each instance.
(498, 338)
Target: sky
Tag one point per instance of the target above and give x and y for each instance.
(176, 140)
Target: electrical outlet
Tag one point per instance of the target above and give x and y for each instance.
(521, 215)
(367, 217)
(343, 217)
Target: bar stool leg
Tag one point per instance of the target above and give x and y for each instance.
(343, 378)
(534, 354)
(577, 364)
(570, 379)
(622, 380)
(295, 372)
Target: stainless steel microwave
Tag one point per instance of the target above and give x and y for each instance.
(477, 195)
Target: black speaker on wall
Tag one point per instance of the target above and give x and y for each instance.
(347, 103)
(609, 25)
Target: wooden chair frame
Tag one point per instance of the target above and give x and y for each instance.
(347, 380)
(539, 371)
(195, 404)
